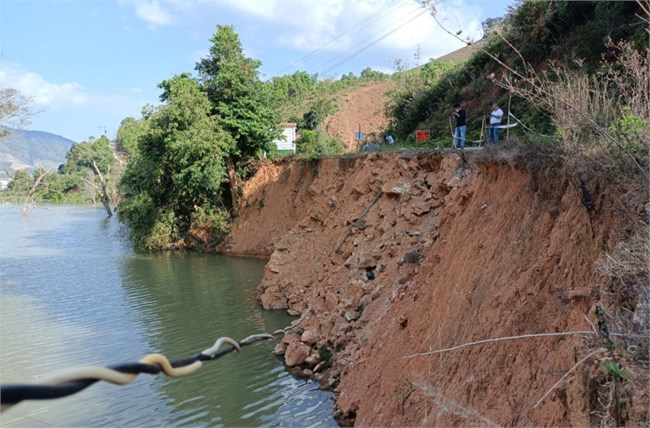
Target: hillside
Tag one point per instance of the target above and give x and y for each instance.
(364, 107)
(361, 108)
(483, 246)
(540, 45)
(24, 149)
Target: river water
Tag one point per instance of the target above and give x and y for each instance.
(73, 293)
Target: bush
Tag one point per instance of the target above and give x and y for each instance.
(316, 143)
(212, 221)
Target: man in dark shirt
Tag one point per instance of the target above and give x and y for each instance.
(461, 127)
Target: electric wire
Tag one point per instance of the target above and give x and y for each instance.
(371, 19)
(70, 381)
(409, 19)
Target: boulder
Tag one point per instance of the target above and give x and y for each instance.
(396, 188)
(312, 360)
(309, 337)
(296, 353)
(272, 298)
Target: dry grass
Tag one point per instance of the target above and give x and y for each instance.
(607, 111)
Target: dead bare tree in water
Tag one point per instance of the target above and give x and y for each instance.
(28, 203)
(102, 189)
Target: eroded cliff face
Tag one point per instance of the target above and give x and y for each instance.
(385, 257)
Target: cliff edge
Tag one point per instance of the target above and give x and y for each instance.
(454, 289)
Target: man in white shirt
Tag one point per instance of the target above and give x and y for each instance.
(495, 121)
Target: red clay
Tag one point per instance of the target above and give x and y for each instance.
(462, 249)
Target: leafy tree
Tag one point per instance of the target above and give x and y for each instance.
(370, 74)
(128, 134)
(179, 170)
(21, 182)
(235, 91)
(292, 87)
(81, 156)
(319, 110)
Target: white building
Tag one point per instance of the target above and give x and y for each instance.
(287, 142)
(4, 180)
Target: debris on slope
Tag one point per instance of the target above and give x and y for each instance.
(460, 248)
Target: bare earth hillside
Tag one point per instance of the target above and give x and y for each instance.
(462, 249)
(362, 107)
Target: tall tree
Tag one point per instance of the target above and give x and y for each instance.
(180, 167)
(240, 100)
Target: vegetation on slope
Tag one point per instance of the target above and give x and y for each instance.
(578, 35)
(188, 157)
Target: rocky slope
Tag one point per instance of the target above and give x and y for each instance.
(384, 257)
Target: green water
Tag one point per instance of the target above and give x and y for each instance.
(73, 292)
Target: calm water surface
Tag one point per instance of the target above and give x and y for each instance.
(73, 292)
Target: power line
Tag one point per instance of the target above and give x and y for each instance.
(372, 43)
(371, 19)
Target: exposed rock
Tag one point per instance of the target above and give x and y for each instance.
(351, 315)
(366, 261)
(309, 337)
(280, 348)
(273, 298)
(331, 300)
(455, 271)
(275, 262)
(396, 188)
(296, 353)
(312, 360)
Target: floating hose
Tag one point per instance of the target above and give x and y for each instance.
(70, 381)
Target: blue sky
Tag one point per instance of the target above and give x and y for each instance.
(88, 64)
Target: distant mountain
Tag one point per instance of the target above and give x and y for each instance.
(33, 149)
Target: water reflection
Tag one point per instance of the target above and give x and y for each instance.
(73, 294)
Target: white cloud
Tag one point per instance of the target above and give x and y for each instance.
(324, 36)
(269, 9)
(151, 11)
(41, 91)
(68, 108)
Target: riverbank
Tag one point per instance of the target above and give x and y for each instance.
(382, 257)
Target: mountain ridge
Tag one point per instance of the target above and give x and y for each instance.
(27, 149)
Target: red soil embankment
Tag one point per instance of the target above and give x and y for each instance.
(462, 249)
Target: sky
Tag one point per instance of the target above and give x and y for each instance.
(88, 64)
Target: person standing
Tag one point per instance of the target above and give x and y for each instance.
(495, 121)
(461, 126)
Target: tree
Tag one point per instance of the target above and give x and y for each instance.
(240, 100)
(177, 176)
(128, 134)
(14, 110)
(490, 25)
(81, 156)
